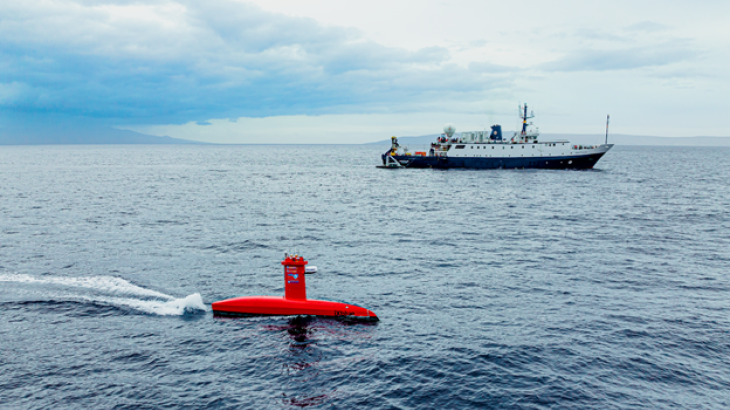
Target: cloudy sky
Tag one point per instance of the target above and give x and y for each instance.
(326, 71)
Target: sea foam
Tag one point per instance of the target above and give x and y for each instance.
(114, 291)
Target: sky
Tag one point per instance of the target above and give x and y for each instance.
(323, 71)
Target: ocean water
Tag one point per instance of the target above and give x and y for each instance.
(509, 289)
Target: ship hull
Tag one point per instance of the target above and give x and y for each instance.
(280, 306)
(587, 161)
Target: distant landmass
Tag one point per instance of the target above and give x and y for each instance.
(93, 135)
(109, 135)
(589, 139)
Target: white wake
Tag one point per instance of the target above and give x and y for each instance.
(117, 292)
(178, 307)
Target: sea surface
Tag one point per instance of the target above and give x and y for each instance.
(505, 289)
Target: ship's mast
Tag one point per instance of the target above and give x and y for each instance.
(524, 119)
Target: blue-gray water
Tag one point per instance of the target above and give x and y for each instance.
(505, 289)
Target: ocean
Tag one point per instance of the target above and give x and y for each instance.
(509, 289)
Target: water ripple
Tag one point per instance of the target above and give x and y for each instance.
(497, 289)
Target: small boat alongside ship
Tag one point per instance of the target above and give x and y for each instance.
(489, 150)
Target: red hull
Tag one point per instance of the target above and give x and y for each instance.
(279, 306)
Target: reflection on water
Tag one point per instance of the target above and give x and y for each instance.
(306, 365)
(301, 363)
(303, 353)
(300, 331)
(305, 401)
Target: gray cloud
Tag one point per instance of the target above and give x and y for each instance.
(486, 67)
(622, 59)
(174, 62)
(596, 34)
(647, 26)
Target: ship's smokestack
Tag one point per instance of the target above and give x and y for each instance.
(496, 133)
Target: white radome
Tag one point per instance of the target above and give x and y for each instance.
(449, 129)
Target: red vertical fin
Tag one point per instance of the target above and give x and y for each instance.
(295, 286)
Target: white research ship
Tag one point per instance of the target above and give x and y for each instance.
(488, 150)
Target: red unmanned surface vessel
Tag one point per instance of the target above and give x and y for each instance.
(294, 301)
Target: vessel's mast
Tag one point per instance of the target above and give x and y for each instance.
(524, 120)
(607, 118)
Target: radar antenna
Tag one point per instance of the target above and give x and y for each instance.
(525, 117)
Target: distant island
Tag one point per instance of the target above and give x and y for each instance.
(589, 139)
(88, 135)
(108, 135)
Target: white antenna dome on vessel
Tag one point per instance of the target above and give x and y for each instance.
(449, 129)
